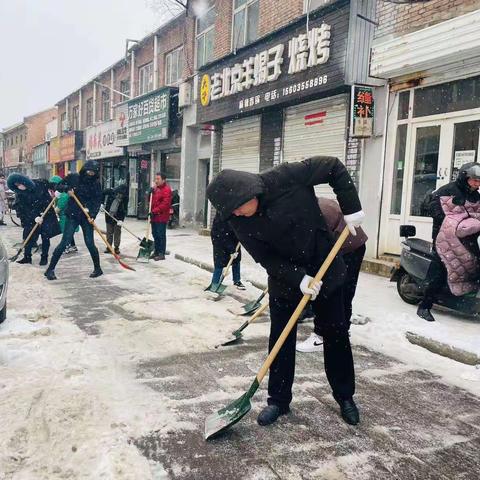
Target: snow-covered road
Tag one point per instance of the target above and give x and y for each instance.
(112, 378)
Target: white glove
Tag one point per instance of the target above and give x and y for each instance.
(57, 210)
(87, 210)
(235, 255)
(354, 220)
(39, 220)
(119, 223)
(314, 290)
(57, 194)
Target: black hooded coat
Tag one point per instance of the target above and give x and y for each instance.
(87, 189)
(288, 234)
(224, 242)
(32, 202)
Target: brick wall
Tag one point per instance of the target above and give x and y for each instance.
(399, 19)
(36, 129)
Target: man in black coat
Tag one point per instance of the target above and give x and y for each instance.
(276, 217)
(116, 204)
(87, 188)
(32, 198)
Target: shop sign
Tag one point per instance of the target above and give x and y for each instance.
(100, 141)
(296, 63)
(362, 112)
(40, 154)
(121, 125)
(51, 130)
(67, 147)
(149, 117)
(54, 150)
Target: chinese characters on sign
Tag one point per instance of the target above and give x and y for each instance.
(101, 141)
(362, 111)
(304, 52)
(148, 117)
(121, 125)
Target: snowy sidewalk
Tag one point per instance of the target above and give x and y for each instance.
(376, 298)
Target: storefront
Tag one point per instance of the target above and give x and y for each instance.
(153, 143)
(434, 124)
(101, 146)
(68, 157)
(41, 169)
(288, 98)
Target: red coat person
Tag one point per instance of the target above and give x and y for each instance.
(161, 203)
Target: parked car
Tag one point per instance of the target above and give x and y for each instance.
(3, 281)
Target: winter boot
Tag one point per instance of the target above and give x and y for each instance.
(97, 272)
(425, 314)
(159, 257)
(270, 414)
(2, 223)
(117, 251)
(50, 275)
(240, 285)
(314, 343)
(43, 260)
(25, 260)
(107, 251)
(348, 410)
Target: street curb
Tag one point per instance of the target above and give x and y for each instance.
(209, 268)
(443, 349)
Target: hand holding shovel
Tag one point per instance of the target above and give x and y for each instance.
(219, 287)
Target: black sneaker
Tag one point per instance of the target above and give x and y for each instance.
(43, 261)
(349, 410)
(159, 257)
(96, 273)
(25, 260)
(270, 414)
(425, 314)
(240, 285)
(117, 251)
(50, 274)
(107, 251)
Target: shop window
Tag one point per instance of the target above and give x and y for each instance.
(75, 117)
(125, 89)
(205, 35)
(311, 5)
(171, 167)
(398, 170)
(465, 148)
(245, 22)
(426, 166)
(174, 67)
(403, 105)
(105, 105)
(89, 113)
(64, 122)
(447, 97)
(145, 79)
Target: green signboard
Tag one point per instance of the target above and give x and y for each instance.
(149, 117)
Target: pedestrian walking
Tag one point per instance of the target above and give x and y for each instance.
(353, 251)
(32, 198)
(60, 207)
(86, 186)
(116, 204)
(224, 243)
(160, 214)
(276, 217)
(3, 199)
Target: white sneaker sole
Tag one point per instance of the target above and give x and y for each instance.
(301, 349)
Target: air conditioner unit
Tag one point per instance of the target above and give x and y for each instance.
(185, 94)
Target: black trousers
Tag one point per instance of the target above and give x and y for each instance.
(436, 282)
(336, 348)
(33, 240)
(353, 263)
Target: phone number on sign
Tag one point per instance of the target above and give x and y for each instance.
(299, 87)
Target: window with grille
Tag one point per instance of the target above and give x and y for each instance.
(205, 36)
(174, 66)
(89, 113)
(145, 79)
(245, 22)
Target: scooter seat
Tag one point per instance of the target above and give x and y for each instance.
(419, 245)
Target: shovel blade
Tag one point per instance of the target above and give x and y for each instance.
(236, 336)
(15, 257)
(219, 422)
(251, 307)
(216, 288)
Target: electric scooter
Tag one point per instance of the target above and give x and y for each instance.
(417, 264)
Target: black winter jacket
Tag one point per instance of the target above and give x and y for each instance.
(87, 188)
(224, 242)
(459, 190)
(288, 235)
(118, 200)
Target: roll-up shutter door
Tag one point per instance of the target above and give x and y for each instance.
(316, 128)
(241, 145)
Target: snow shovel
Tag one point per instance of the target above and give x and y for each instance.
(219, 287)
(222, 420)
(146, 245)
(250, 307)
(237, 334)
(102, 236)
(121, 226)
(30, 235)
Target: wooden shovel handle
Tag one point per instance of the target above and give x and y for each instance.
(34, 229)
(258, 313)
(149, 219)
(303, 302)
(229, 264)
